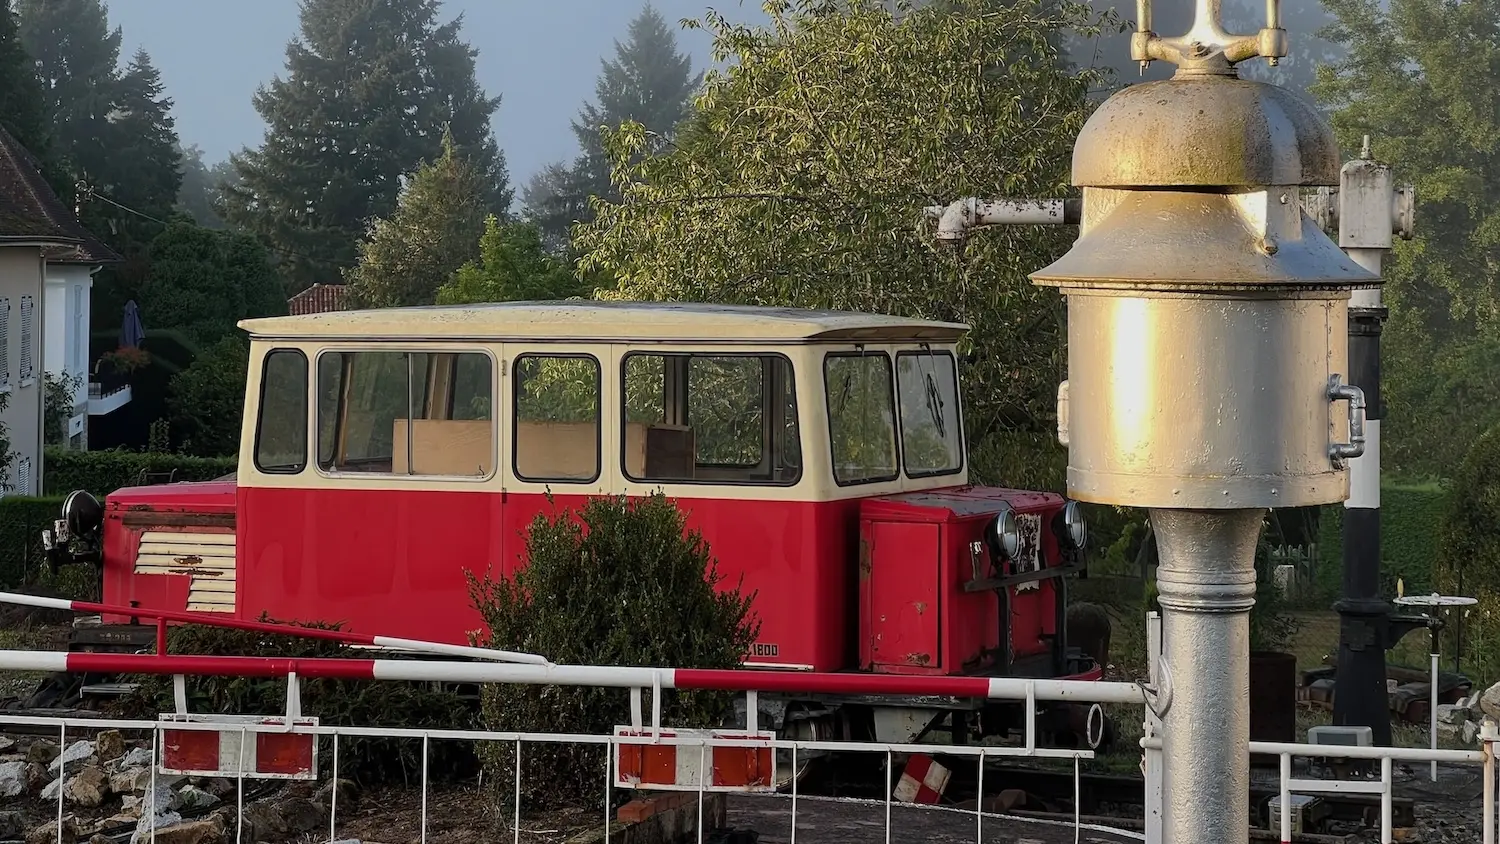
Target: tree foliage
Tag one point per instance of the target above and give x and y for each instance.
(801, 175)
(618, 582)
(114, 128)
(203, 282)
(434, 230)
(207, 400)
(369, 91)
(1468, 558)
(649, 82)
(513, 266)
(1422, 80)
(24, 111)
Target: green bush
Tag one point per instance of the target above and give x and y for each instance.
(361, 703)
(22, 519)
(1468, 550)
(618, 582)
(103, 472)
(1411, 524)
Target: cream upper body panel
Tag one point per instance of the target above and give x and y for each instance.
(492, 456)
(598, 321)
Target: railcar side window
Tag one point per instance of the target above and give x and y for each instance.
(861, 417)
(705, 418)
(557, 415)
(931, 425)
(406, 413)
(281, 424)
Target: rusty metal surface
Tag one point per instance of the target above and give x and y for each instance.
(1202, 242)
(1205, 131)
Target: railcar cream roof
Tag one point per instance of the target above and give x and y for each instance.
(587, 320)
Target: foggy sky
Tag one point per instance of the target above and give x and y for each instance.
(541, 56)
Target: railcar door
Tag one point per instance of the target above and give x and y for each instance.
(401, 499)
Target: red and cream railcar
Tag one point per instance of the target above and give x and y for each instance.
(821, 454)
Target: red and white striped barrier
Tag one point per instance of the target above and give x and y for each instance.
(923, 781)
(415, 645)
(620, 677)
(234, 752)
(671, 767)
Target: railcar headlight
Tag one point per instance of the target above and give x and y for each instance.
(1007, 536)
(1075, 531)
(82, 514)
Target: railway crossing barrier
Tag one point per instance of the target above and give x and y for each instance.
(645, 755)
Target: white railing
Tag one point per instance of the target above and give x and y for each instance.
(1289, 785)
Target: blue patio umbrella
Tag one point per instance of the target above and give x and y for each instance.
(131, 332)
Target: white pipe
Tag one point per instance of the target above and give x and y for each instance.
(1337, 751)
(1386, 831)
(1489, 734)
(1432, 716)
(956, 218)
(1286, 798)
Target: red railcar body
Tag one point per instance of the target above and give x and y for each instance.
(391, 568)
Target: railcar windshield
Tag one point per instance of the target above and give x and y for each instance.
(725, 418)
(866, 396)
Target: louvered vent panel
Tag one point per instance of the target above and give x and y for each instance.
(207, 558)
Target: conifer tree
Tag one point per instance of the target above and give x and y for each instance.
(369, 88)
(649, 82)
(23, 106)
(434, 230)
(144, 171)
(77, 58)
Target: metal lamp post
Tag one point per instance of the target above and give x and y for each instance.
(1207, 364)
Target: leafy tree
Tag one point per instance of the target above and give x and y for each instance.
(369, 89)
(207, 399)
(649, 82)
(617, 582)
(202, 282)
(514, 266)
(24, 110)
(435, 230)
(800, 178)
(1421, 80)
(1468, 559)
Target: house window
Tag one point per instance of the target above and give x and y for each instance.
(406, 413)
(557, 436)
(26, 373)
(4, 344)
(80, 334)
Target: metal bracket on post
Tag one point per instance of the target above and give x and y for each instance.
(179, 693)
(1207, 47)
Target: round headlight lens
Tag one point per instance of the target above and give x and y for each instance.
(82, 513)
(1077, 530)
(1007, 534)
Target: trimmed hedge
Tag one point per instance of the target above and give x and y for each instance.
(103, 472)
(1411, 528)
(22, 519)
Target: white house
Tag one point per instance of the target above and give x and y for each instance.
(65, 356)
(34, 225)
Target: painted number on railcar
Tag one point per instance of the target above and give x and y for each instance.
(764, 649)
